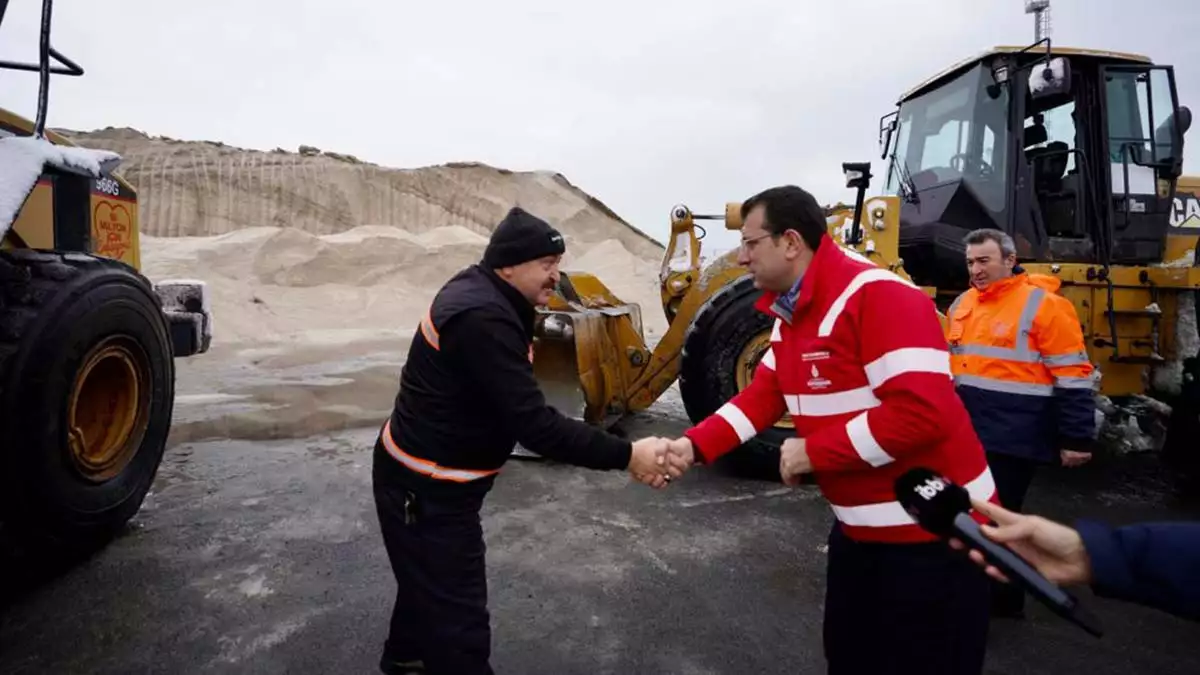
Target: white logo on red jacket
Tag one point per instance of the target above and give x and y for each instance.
(817, 382)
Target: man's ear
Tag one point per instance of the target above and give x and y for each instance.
(795, 243)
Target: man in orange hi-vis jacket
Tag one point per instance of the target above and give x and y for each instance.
(1021, 368)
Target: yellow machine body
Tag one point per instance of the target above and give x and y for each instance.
(111, 211)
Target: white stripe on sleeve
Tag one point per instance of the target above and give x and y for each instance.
(864, 442)
(907, 360)
(737, 419)
(768, 359)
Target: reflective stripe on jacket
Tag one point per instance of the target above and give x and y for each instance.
(1021, 367)
(862, 367)
(426, 467)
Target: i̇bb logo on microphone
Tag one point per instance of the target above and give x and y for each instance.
(930, 488)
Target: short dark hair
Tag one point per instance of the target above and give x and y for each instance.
(789, 207)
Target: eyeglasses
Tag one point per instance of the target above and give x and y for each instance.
(746, 242)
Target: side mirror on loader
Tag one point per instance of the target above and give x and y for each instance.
(887, 128)
(1051, 78)
(858, 176)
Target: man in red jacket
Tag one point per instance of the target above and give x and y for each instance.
(859, 361)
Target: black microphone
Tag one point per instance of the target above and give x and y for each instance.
(943, 508)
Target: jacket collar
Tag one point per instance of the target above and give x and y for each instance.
(525, 309)
(1019, 278)
(785, 303)
(1002, 287)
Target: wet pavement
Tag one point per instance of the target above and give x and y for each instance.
(264, 556)
(274, 391)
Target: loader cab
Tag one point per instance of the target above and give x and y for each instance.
(1049, 146)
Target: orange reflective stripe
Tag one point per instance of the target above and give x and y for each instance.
(1001, 369)
(428, 468)
(1072, 370)
(1076, 358)
(428, 329)
(1062, 347)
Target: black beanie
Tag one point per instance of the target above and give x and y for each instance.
(521, 237)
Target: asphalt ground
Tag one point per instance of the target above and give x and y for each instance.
(264, 556)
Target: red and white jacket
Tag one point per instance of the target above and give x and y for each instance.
(863, 367)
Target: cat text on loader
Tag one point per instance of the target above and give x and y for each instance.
(86, 342)
(1089, 190)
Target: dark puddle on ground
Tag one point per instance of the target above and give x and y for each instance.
(296, 408)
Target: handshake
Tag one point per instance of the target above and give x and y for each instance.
(655, 460)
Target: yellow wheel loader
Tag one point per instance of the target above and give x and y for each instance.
(1075, 153)
(87, 343)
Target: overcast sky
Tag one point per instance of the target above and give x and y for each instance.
(643, 104)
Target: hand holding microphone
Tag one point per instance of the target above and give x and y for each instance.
(943, 508)
(1057, 551)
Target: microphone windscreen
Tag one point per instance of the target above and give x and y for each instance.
(931, 499)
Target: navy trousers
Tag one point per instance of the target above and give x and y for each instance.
(1013, 477)
(437, 554)
(903, 608)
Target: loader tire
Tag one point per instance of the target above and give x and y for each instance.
(714, 350)
(86, 395)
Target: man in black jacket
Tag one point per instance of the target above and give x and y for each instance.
(467, 396)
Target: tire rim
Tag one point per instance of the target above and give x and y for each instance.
(108, 412)
(747, 362)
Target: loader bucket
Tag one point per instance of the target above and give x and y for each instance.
(588, 347)
(555, 365)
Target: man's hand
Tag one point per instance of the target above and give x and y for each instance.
(1074, 458)
(681, 454)
(1055, 550)
(793, 461)
(648, 461)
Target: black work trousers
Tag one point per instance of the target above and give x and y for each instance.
(893, 609)
(436, 549)
(1013, 475)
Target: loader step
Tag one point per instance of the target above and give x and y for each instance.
(1149, 359)
(1154, 312)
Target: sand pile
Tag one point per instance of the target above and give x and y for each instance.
(320, 266)
(311, 330)
(272, 284)
(319, 246)
(194, 188)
